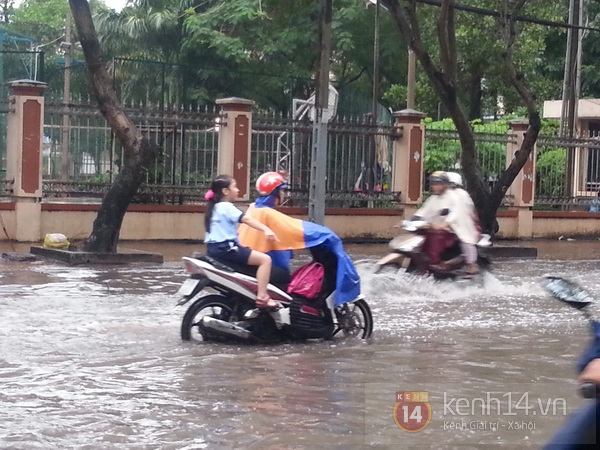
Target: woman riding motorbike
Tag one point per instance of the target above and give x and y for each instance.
(296, 234)
(435, 211)
(272, 188)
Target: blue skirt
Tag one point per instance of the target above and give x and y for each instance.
(230, 251)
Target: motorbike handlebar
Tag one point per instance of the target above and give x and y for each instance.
(589, 389)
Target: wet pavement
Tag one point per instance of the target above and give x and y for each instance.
(90, 357)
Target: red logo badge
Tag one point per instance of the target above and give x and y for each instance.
(412, 412)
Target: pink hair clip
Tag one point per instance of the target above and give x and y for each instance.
(209, 194)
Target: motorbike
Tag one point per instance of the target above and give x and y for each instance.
(580, 429)
(223, 305)
(407, 251)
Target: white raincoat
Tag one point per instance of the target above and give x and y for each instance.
(462, 216)
(431, 211)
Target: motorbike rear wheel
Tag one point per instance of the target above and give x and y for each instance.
(354, 319)
(215, 306)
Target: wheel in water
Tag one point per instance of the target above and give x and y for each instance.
(354, 319)
(215, 306)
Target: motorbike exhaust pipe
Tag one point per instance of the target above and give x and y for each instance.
(222, 327)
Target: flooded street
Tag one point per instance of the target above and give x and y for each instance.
(90, 357)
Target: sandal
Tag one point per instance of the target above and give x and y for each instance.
(469, 275)
(471, 271)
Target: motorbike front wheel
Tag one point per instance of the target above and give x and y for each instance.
(354, 319)
(215, 306)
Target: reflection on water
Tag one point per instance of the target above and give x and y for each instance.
(90, 357)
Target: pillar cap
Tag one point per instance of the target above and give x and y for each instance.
(26, 87)
(408, 116)
(518, 123)
(235, 100)
(235, 104)
(26, 82)
(409, 113)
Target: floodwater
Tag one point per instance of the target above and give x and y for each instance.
(90, 357)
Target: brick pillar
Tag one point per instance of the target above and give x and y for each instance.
(407, 170)
(24, 155)
(235, 135)
(522, 189)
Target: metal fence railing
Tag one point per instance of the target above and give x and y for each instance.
(359, 159)
(555, 186)
(81, 151)
(81, 156)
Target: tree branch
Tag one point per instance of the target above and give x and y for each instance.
(535, 125)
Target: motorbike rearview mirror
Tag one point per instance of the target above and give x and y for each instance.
(588, 389)
(568, 292)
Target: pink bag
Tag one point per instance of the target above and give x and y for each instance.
(307, 281)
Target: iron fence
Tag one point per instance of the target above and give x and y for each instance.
(80, 150)
(358, 161)
(81, 156)
(556, 188)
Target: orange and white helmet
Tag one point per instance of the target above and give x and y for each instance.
(268, 182)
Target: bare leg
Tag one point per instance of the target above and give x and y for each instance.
(263, 273)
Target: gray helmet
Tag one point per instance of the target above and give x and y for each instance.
(438, 177)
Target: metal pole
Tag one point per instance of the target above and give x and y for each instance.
(568, 122)
(318, 171)
(66, 125)
(412, 80)
(376, 64)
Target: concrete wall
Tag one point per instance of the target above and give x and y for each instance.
(156, 222)
(143, 222)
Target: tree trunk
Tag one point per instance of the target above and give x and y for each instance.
(443, 79)
(475, 93)
(138, 154)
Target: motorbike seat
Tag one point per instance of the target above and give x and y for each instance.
(279, 277)
(213, 262)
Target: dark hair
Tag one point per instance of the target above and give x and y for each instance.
(218, 184)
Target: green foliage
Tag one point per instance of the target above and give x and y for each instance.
(43, 20)
(442, 150)
(266, 50)
(395, 96)
(550, 171)
(550, 127)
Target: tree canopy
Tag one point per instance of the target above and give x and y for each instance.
(266, 50)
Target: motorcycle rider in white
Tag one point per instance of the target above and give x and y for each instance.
(463, 219)
(435, 211)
